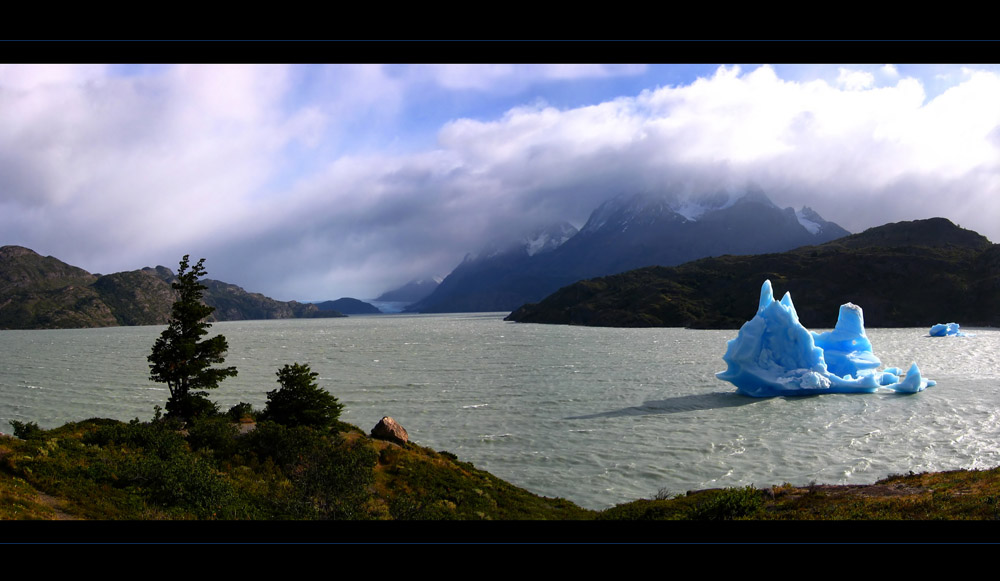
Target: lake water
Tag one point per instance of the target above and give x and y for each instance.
(598, 416)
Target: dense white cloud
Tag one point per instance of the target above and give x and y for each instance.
(287, 178)
(855, 80)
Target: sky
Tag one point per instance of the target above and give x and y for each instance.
(318, 181)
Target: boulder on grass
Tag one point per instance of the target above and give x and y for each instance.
(388, 429)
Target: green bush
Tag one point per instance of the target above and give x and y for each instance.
(182, 482)
(26, 430)
(193, 404)
(330, 477)
(335, 479)
(300, 401)
(282, 444)
(158, 438)
(729, 504)
(240, 411)
(215, 433)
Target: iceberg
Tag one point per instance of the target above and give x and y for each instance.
(775, 355)
(947, 330)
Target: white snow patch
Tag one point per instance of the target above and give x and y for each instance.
(808, 224)
(691, 211)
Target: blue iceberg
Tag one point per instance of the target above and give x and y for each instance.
(946, 330)
(775, 355)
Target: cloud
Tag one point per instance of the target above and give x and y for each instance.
(289, 181)
(127, 164)
(855, 80)
(510, 78)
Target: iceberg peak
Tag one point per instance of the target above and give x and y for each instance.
(775, 355)
(766, 296)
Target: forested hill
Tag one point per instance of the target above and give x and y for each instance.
(42, 292)
(905, 274)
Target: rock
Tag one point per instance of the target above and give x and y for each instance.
(388, 429)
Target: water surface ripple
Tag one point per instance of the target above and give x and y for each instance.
(599, 416)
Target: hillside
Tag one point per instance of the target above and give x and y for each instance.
(39, 292)
(348, 306)
(906, 274)
(103, 470)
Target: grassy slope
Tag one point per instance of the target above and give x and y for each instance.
(59, 475)
(108, 470)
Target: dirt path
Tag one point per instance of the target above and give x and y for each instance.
(54, 503)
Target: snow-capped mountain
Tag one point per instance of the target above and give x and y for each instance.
(637, 210)
(490, 279)
(815, 223)
(624, 233)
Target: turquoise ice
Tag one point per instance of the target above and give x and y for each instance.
(947, 330)
(775, 355)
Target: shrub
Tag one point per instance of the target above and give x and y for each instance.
(335, 479)
(242, 411)
(194, 404)
(215, 433)
(153, 462)
(26, 430)
(285, 446)
(183, 482)
(300, 401)
(158, 438)
(729, 504)
(330, 476)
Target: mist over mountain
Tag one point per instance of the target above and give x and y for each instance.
(624, 233)
(410, 292)
(498, 275)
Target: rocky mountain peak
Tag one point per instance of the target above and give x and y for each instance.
(548, 238)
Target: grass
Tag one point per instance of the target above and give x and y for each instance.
(103, 469)
(21, 501)
(108, 470)
(953, 495)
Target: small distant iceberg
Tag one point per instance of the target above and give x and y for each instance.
(947, 330)
(774, 355)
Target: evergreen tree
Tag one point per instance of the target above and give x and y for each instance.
(181, 358)
(300, 401)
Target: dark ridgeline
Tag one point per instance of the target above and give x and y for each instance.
(348, 306)
(39, 292)
(906, 274)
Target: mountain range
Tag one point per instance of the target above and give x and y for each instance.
(42, 292)
(624, 233)
(410, 292)
(905, 274)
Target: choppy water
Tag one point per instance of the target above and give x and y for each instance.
(599, 416)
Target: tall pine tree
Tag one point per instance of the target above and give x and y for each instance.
(181, 358)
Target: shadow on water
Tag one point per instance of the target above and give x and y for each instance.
(683, 403)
